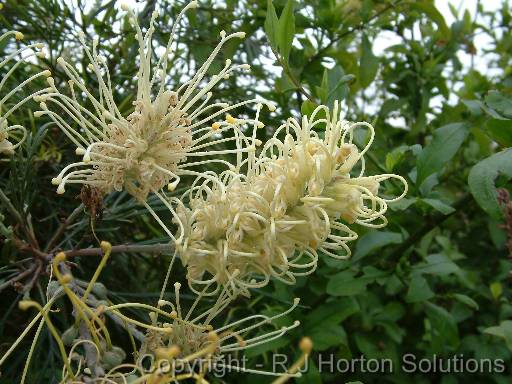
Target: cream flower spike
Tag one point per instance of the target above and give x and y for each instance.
(297, 197)
(169, 131)
(6, 130)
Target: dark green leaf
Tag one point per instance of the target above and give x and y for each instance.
(369, 63)
(374, 240)
(419, 290)
(500, 131)
(481, 181)
(444, 329)
(445, 143)
(500, 102)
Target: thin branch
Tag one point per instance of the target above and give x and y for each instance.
(18, 277)
(5, 200)
(63, 227)
(17, 216)
(125, 248)
(290, 75)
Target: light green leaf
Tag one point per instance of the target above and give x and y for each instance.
(445, 143)
(496, 289)
(286, 30)
(369, 63)
(395, 156)
(481, 181)
(307, 108)
(504, 331)
(271, 24)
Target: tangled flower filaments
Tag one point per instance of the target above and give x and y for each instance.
(297, 197)
(169, 132)
(7, 131)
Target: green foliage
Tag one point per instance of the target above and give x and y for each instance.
(434, 281)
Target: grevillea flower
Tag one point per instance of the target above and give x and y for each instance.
(7, 131)
(297, 197)
(168, 133)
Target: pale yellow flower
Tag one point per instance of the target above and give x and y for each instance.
(169, 132)
(297, 197)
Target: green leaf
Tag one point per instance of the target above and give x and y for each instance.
(324, 322)
(271, 25)
(438, 205)
(496, 290)
(500, 131)
(334, 85)
(419, 290)
(445, 143)
(369, 63)
(504, 331)
(481, 181)
(374, 240)
(444, 329)
(395, 156)
(307, 108)
(286, 30)
(464, 299)
(437, 264)
(430, 10)
(500, 103)
(345, 284)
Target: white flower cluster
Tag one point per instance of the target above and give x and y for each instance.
(146, 150)
(297, 197)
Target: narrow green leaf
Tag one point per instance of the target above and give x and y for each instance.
(369, 63)
(445, 143)
(286, 30)
(271, 24)
(464, 299)
(481, 181)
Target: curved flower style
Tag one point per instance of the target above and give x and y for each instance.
(149, 148)
(6, 130)
(297, 197)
